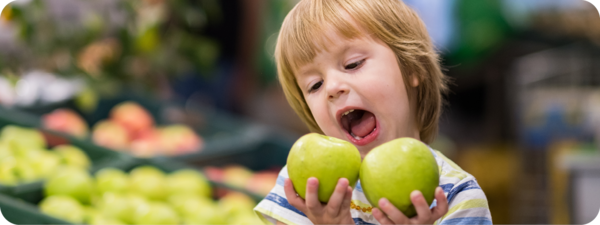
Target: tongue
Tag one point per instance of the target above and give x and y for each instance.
(363, 126)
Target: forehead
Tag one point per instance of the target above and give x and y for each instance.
(335, 46)
(308, 31)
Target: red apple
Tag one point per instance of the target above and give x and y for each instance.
(179, 139)
(133, 117)
(237, 176)
(213, 173)
(147, 144)
(111, 135)
(66, 121)
(262, 182)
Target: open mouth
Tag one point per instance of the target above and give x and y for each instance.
(360, 125)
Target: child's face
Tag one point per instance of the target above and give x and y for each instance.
(361, 75)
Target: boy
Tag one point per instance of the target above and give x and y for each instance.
(365, 72)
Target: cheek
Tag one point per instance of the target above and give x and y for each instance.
(321, 114)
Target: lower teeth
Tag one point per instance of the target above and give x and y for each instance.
(355, 137)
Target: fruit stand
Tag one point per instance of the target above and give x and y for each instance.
(108, 86)
(225, 170)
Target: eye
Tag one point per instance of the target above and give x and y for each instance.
(354, 65)
(315, 87)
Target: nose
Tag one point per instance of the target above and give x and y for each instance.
(336, 86)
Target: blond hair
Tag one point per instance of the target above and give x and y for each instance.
(391, 21)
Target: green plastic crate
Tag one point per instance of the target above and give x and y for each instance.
(18, 211)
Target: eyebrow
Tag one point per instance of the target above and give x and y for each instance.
(344, 49)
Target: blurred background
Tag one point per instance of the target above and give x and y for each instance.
(187, 84)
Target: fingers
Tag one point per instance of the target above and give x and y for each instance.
(442, 204)
(423, 211)
(312, 195)
(291, 196)
(391, 211)
(347, 199)
(338, 196)
(380, 217)
(389, 214)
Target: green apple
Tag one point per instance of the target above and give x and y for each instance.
(136, 204)
(100, 219)
(325, 158)
(149, 182)
(112, 180)
(235, 203)
(188, 182)
(71, 181)
(248, 218)
(45, 164)
(73, 156)
(89, 212)
(25, 172)
(396, 168)
(156, 213)
(114, 205)
(26, 152)
(196, 210)
(22, 137)
(5, 151)
(8, 172)
(63, 207)
(93, 216)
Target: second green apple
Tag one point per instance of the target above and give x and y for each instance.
(396, 168)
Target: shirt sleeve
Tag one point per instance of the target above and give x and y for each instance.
(467, 203)
(275, 207)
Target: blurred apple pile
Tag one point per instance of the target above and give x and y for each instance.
(131, 128)
(144, 196)
(237, 176)
(24, 156)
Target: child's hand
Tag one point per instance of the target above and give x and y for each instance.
(391, 215)
(336, 211)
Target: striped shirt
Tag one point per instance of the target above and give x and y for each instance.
(466, 201)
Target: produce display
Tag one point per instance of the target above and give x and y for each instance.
(68, 190)
(392, 170)
(130, 128)
(145, 195)
(24, 156)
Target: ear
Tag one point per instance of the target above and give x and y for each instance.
(414, 80)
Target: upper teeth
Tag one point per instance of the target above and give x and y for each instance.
(348, 112)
